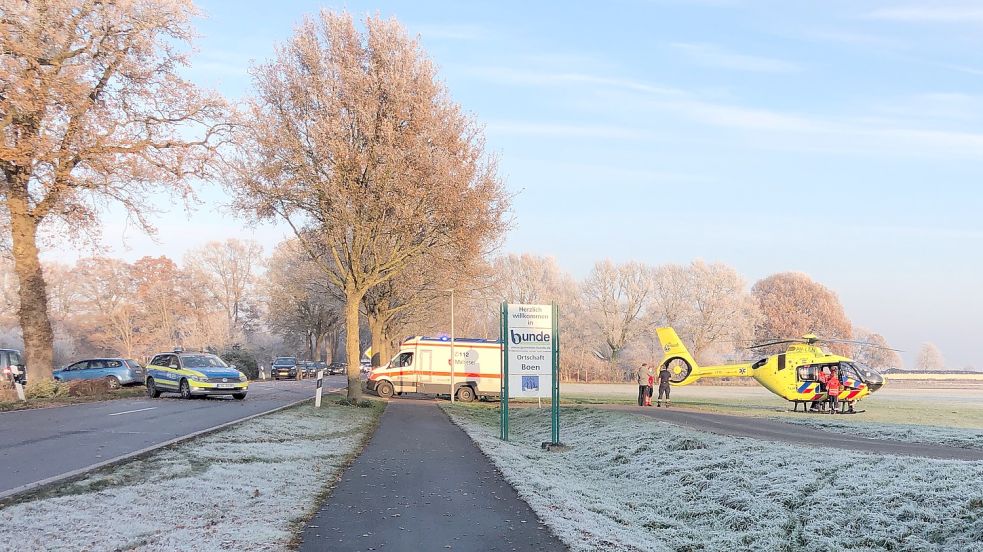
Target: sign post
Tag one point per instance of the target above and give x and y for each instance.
(530, 359)
(317, 393)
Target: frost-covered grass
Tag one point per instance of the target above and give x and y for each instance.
(894, 404)
(245, 488)
(628, 483)
(951, 437)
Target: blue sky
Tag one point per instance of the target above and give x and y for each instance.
(840, 138)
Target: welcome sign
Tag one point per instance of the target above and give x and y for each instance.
(530, 358)
(530, 350)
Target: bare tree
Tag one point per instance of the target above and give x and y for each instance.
(929, 358)
(108, 304)
(874, 351)
(227, 271)
(616, 297)
(299, 306)
(792, 304)
(92, 110)
(708, 305)
(355, 143)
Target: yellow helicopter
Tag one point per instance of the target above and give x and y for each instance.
(792, 375)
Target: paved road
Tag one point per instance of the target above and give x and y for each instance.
(39, 444)
(421, 484)
(772, 430)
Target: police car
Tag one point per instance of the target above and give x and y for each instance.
(193, 374)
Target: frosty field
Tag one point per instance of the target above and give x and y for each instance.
(244, 488)
(631, 483)
(945, 406)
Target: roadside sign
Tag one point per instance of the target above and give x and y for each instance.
(530, 358)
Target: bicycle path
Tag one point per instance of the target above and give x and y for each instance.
(422, 484)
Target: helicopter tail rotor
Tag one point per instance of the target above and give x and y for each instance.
(681, 364)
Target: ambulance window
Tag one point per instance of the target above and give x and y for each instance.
(405, 359)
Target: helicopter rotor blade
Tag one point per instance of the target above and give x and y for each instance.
(779, 342)
(863, 343)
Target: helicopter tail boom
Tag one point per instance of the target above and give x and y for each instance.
(676, 353)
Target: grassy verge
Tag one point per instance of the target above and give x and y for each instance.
(249, 487)
(122, 393)
(629, 484)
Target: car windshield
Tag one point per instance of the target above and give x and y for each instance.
(284, 361)
(15, 359)
(133, 363)
(203, 361)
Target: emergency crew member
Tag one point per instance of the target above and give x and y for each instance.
(664, 376)
(833, 388)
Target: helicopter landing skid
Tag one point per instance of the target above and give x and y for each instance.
(824, 410)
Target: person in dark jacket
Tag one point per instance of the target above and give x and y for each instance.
(664, 376)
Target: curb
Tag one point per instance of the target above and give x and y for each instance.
(5, 496)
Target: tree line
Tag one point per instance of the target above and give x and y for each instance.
(227, 296)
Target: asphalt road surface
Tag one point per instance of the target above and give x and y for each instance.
(39, 444)
(422, 484)
(772, 430)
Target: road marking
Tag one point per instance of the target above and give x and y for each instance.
(132, 411)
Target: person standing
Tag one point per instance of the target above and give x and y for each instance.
(643, 382)
(664, 376)
(833, 388)
(648, 390)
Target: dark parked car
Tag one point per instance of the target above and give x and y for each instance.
(116, 371)
(284, 368)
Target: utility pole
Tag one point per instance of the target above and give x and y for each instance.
(452, 346)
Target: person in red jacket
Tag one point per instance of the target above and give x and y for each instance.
(648, 392)
(833, 388)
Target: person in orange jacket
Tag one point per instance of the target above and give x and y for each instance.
(833, 388)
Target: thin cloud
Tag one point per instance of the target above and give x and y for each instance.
(533, 128)
(449, 31)
(712, 55)
(536, 78)
(931, 14)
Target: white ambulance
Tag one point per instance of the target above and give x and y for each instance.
(423, 366)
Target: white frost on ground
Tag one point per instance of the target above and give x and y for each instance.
(245, 488)
(909, 433)
(630, 484)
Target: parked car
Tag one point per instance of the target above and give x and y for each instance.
(337, 368)
(194, 374)
(310, 368)
(284, 368)
(11, 361)
(116, 371)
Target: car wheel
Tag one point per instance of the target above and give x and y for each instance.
(185, 389)
(113, 382)
(465, 394)
(384, 389)
(239, 396)
(152, 390)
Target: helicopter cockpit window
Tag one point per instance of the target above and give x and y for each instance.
(848, 370)
(807, 372)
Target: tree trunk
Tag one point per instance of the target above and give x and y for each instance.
(378, 340)
(33, 310)
(352, 346)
